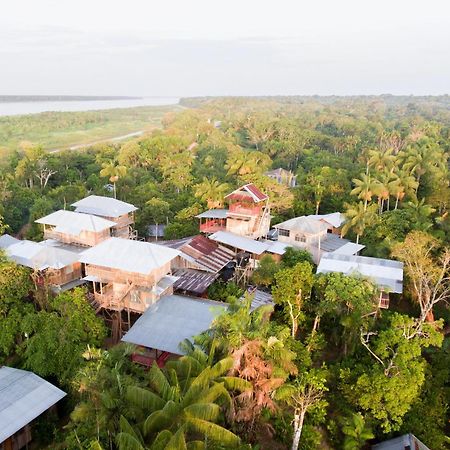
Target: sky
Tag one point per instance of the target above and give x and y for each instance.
(244, 47)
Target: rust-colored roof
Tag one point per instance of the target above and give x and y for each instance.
(207, 253)
(193, 281)
(248, 190)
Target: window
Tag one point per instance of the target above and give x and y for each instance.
(300, 238)
(282, 232)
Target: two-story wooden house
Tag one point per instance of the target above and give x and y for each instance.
(117, 211)
(248, 214)
(128, 274)
(76, 228)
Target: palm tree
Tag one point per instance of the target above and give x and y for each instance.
(212, 192)
(407, 186)
(356, 432)
(388, 183)
(364, 188)
(358, 217)
(382, 159)
(421, 212)
(114, 171)
(179, 408)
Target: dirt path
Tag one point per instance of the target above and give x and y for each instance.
(112, 139)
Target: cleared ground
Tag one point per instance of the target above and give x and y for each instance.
(60, 130)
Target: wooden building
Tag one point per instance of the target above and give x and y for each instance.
(248, 214)
(56, 267)
(23, 397)
(117, 211)
(127, 274)
(75, 228)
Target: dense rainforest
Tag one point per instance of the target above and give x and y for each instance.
(324, 369)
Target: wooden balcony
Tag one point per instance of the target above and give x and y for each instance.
(115, 300)
(213, 225)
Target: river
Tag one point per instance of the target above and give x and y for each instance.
(18, 108)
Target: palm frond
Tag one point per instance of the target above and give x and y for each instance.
(213, 432)
(204, 411)
(144, 399)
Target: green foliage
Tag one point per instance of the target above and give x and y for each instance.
(57, 338)
(224, 292)
(293, 256)
(356, 432)
(264, 275)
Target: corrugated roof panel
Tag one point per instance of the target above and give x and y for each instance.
(103, 206)
(171, 320)
(213, 214)
(23, 397)
(76, 222)
(240, 242)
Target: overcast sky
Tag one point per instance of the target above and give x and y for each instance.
(244, 47)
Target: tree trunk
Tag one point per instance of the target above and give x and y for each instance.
(357, 238)
(298, 425)
(317, 208)
(114, 188)
(396, 201)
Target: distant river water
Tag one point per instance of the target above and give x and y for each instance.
(18, 108)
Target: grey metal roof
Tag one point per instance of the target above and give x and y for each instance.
(332, 242)
(240, 242)
(385, 273)
(401, 443)
(259, 298)
(128, 255)
(39, 256)
(171, 320)
(194, 281)
(6, 240)
(335, 219)
(350, 248)
(23, 397)
(74, 223)
(103, 206)
(303, 224)
(279, 248)
(213, 214)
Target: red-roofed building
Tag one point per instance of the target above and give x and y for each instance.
(248, 214)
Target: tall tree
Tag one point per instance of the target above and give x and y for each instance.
(113, 171)
(359, 216)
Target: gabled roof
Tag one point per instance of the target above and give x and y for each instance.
(401, 443)
(249, 190)
(385, 273)
(23, 397)
(103, 206)
(303, 224)
(240, 242)
(335, 219)
(128, 255)
(75, 223)
(39, 256)
(207, 253)
(171, 320)
(213, 214)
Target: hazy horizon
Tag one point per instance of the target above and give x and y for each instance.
(251, 48)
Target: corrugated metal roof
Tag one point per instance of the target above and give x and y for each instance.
(23, 397)
(259, 298)
(213, 214)
(332, 242)
(251, 190)
(208, 253)
(279, 248)
(171, 320)
(128, 255)
(303, 224)
(240, 242)
(401, 443)
(335, 219)
(39, 256)
(350, 248)
(385, 273)
(74, 223)
(6, 240)
(194, 281)
(103, 206)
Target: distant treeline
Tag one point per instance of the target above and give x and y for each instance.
(60, 98)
